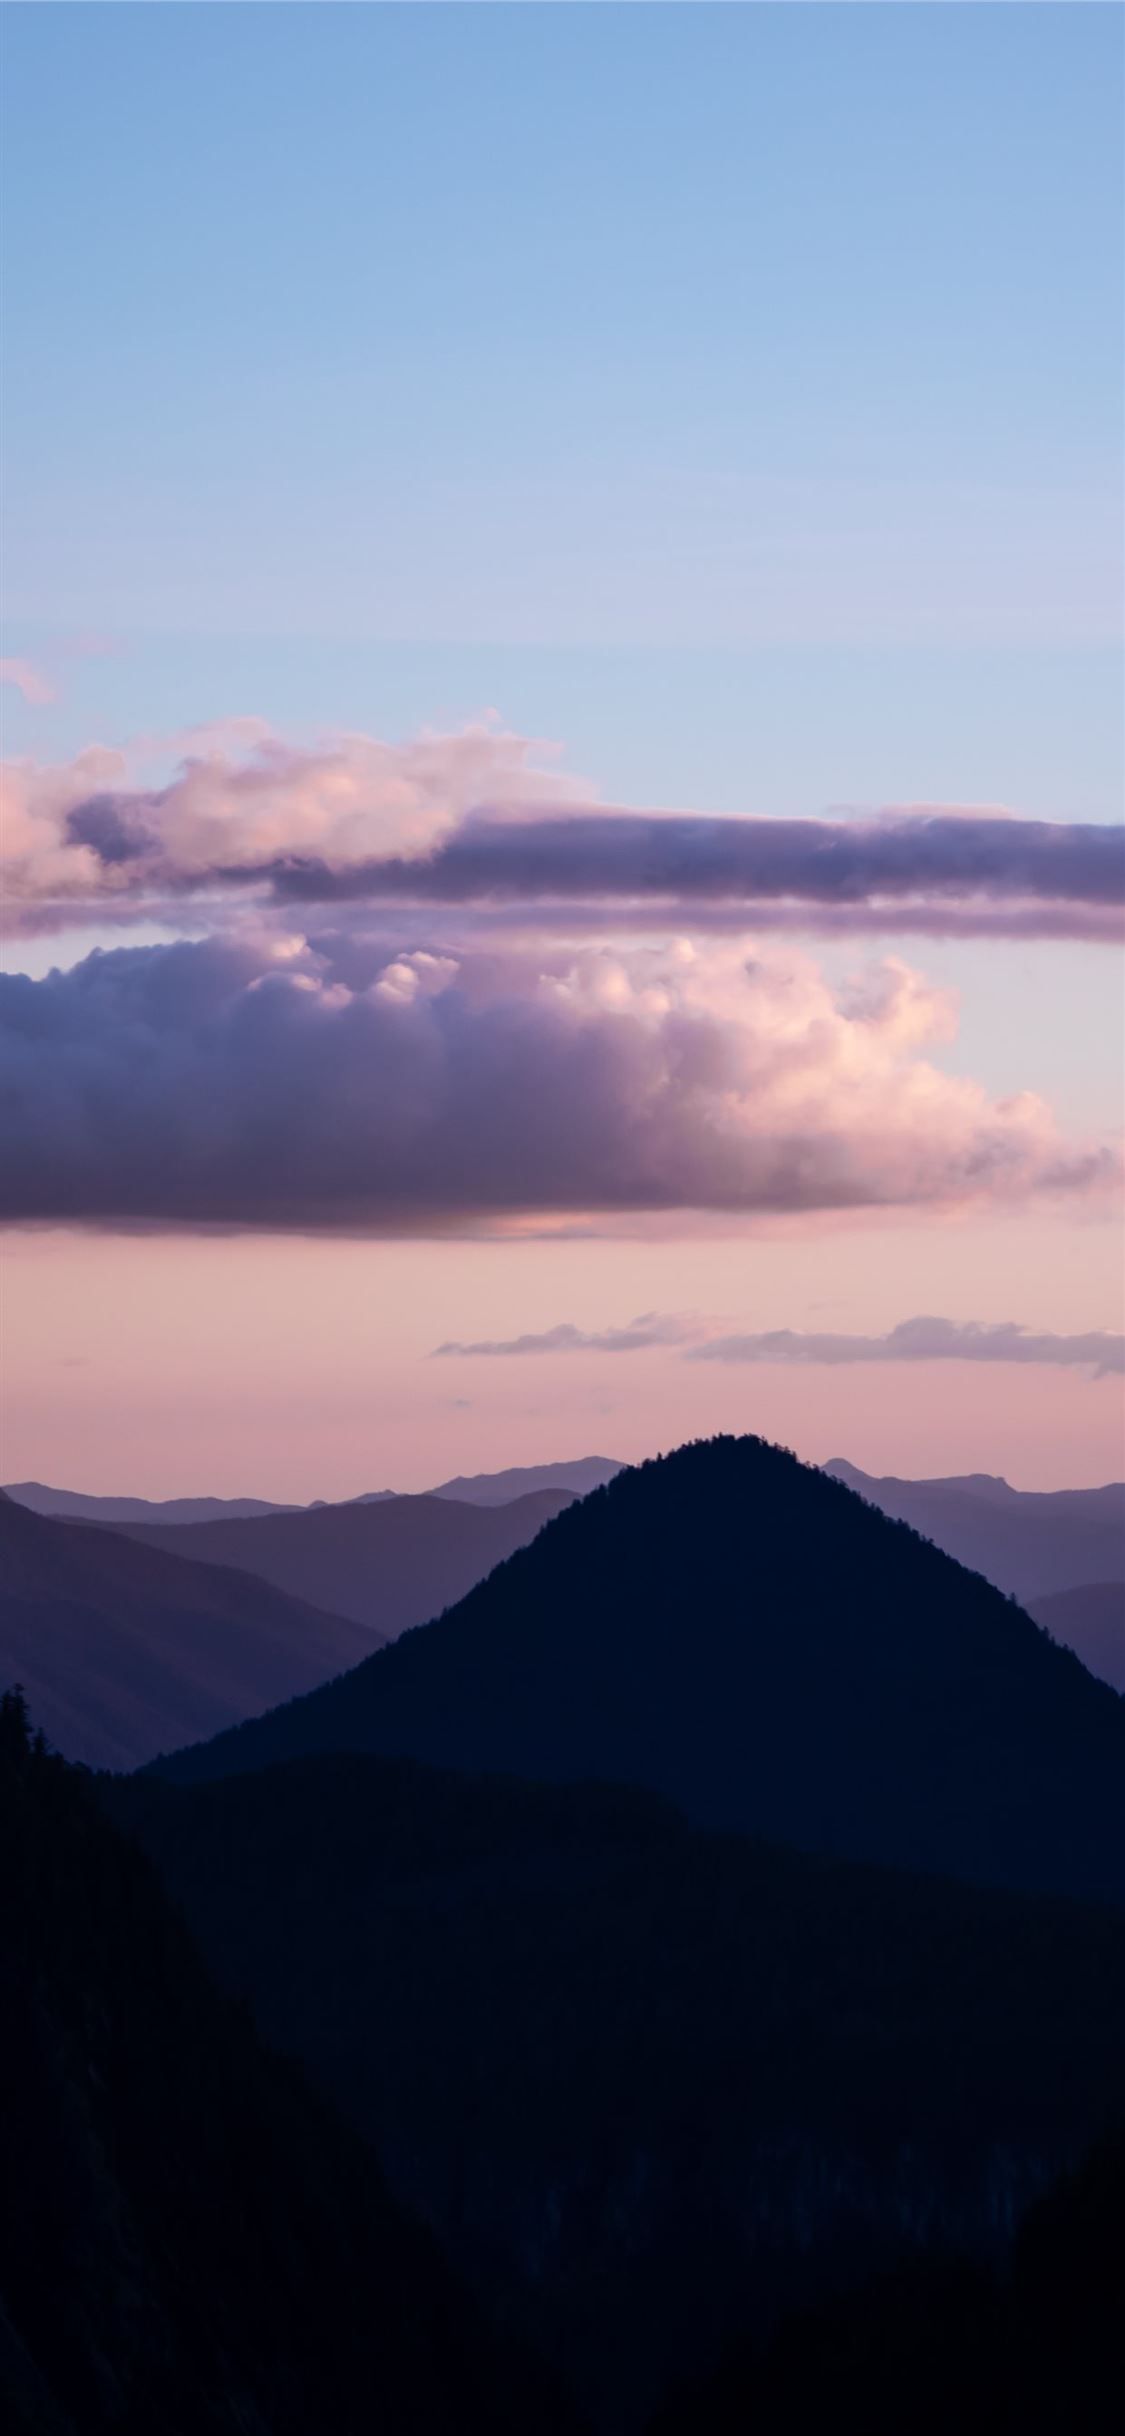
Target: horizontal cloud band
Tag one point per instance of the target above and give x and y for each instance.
(471, 821)
(681, 858)
(924, 1340)
(652, 1328)
(254, 1083)
(914, 1340)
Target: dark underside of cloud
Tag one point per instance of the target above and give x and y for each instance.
(252, 1083)
(975, 870)
(937, 871)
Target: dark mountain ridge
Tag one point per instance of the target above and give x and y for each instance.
(740, 1632)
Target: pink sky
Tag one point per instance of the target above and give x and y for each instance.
(330, 1117)
(167, 1365)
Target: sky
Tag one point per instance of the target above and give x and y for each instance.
(562, 608)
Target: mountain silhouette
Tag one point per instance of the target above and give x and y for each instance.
(1029, 1542)
(476, 1489)
(740, 1632)
(1091, 1621)
(73, 1505)
(649, 2084)
(123, 1650)
(191, 2243)
(385, 1563)
(586, 1472)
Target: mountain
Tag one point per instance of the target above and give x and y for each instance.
(650, 2085)
(497, 1488)
(1091, 1621)
(190, 2241)
(738, 1631)
(1038, 2348)
(70, 1505)
(477, 1489)
(124, 1650)
(1029, 1542)
(385, 1563)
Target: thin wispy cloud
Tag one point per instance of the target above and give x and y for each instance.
(29, 680)
(638, 1336)
(923, 1339)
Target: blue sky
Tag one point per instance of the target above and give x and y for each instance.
(731, 393)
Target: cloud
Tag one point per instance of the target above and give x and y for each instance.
(925, 1340)
(935, 854)
(251, 1081)
(458, 821)
(651, 1328)
(241, 802)
(914, 1340)
(30, 681)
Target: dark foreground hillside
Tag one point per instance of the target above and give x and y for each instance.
(942, 2345)
(190, 2244)
(739, 1631)
(650, 2085)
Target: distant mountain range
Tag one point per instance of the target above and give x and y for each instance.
(1091, 1621)
(143, 1679)
(386, 1563)
(122, 1649)
(1029, 1542)
(1061, 1553)
(743, 1633)
(495, 1488)
(650, 2086)
(131, 1639)
(71, 1505)
(476, 1489)
(191, 2242)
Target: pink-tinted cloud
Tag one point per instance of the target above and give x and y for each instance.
(32, 682)
(250, 1082)
(454, 821)
(84, 833)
